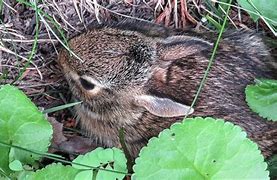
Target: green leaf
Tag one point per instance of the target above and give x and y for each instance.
(21, 124)
(201, 148)
(213, 22)
(262, 98)
(54, 172)
(16, 165)
(266, 8)
(84, 175)
(111, 159)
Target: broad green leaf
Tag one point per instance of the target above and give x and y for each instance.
(54, 172)
(262, 98)
(201, 148)
(266, 8)
(22, 175)
(111, 159)
(21, 124)
(16, 165)
(84, 175)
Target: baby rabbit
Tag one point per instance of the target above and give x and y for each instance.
(143, 77)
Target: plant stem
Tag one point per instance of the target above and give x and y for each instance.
(211, 58)
(130, 161)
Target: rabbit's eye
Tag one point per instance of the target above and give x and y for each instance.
(86, 84)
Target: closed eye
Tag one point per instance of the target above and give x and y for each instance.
(87, 85)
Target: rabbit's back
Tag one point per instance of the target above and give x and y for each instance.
(240, 59)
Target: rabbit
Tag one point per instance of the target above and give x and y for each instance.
(143, 77)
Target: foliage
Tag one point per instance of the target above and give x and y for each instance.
(262, 98)
(264, 9)
(100, 164)
(216, 13)
(21, 124)
(201, 149)
(54, 171)
(110, 159)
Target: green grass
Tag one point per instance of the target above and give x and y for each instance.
(58, 108)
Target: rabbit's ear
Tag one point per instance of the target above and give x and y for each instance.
(177, 47)
(162, 107)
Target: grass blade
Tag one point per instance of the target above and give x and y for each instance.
(58, 108)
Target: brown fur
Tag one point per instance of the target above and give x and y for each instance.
(129, 60)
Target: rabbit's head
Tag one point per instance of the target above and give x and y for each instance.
(111, 73)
